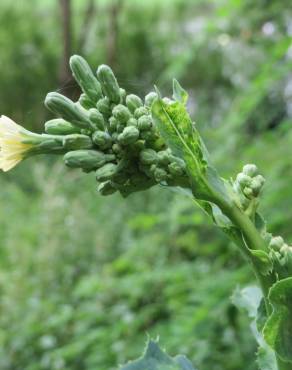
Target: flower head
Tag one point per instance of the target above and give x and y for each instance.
(13, 146)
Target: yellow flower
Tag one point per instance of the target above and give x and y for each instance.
(13, 147)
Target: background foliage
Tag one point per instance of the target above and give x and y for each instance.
(84, 279)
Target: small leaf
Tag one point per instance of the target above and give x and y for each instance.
(278, 328)
(179, 133)
(179, 94)
(262, 260)
(156, 359)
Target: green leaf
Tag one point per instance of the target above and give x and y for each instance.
(250, 299)
(179, 94)
(266, 359)
(156, 359)
(278, 328)
(179, 133)
(262, 260)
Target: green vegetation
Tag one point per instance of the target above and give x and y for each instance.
(83, 278)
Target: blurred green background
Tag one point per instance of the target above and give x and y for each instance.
(85, 279)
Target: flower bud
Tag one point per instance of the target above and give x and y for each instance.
(96, 119)
(133, 102)
(144, 122)
(64, 107)
(257, 184)
(160, 174)
(276, 243)
(139, 112)
(123, 95)
(106, 188)
(59, 126)
(76, 141)
(85, 78)
(250, 170)
(132, 122)
(87, 159)
(243, 180)
(121, 113)
(85, 102)
(103, 105)
(106, 172)
(176, 170)
(113, 124)
(129, 135)
(109, 83)
(149, 98)
(163, 157)
(102, 139)
(148, 156)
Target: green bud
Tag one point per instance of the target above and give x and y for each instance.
(86, 102)
(163, 157)
(176, 170)
(144, 122)
(76, 141)
(248, 192)
(106, 188)
(250, 170)
(113, 124)
(257, 184)
(148, 156)
(103, 105)
(85, 78)
(59, 126)
(149, 98)
(139, 112)
(64, 107)
(123, 95)
(120, 128)
(96, 118)
(117, 149)
(243, 180)
(109, 83)
(276, 243)
(129, 135)
(133, 102)
(121, 113)
(106, 172)
(160, 174)
(102, 139)
(87, 159)
(132, 122)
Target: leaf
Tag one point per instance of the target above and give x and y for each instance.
(179, 133)
(262, 260)
(250, 299)
(266, 359)
(156, 359)
(278, 329)
(179, 94)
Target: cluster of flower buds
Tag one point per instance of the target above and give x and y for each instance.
(248, 184)
(123, 145)
(281, 254)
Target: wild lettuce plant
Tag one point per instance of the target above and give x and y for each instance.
(133, 144)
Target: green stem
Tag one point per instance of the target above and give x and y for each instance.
(252, 239)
